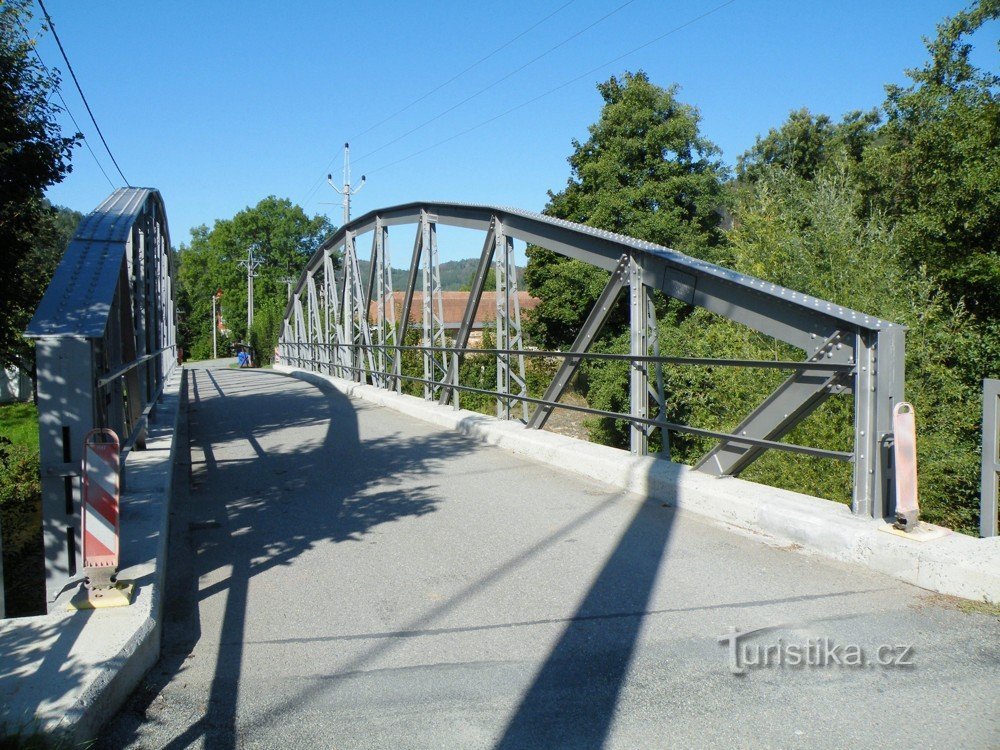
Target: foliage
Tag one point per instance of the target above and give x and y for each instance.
(33, 156)
(806, 234)
(284, 239)
(266, 330)
(895, 213)
(935, 166)
(645, 171)
(805, 143)
(19, 424)
(20, 497)
(480, 371)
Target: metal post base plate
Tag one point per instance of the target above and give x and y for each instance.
(118, 595)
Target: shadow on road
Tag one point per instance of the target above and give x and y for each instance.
(244, 515)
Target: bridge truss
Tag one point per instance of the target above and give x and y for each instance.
(847, 352)
(105, 344)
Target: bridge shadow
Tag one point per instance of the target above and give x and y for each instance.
(337, 488)
(239, 513)
(572, 700)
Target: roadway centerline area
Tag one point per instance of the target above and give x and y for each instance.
(342, 575)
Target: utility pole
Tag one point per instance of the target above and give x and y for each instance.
(251, 264)
(347, 191)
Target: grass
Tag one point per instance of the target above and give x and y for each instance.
(973, 607)
(23, 562)
(19, 423)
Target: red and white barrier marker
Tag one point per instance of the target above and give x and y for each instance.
(904, 427)
(101, 528)
(101, 491)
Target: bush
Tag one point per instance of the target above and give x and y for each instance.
(20, 498)
(806, 234)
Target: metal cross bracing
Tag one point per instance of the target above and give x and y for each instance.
(847, 353)
(105, 343)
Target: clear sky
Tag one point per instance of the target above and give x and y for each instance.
(221, 104)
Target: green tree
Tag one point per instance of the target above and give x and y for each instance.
(33, 155)
(284, 238)
(645, 171)
(805, 143)
(934, 169)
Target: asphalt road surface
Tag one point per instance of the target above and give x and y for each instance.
(343, 576)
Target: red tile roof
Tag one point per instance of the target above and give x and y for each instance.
(454, 307)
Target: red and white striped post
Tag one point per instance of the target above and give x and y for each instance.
(101, 491)
(101, 545)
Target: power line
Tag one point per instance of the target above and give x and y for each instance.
(514, 72)
(66, 108)
(570, 82)
(451, 80)
(93, 119)
(462, 72)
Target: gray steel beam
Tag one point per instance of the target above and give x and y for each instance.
(67, 412)
(789, 404)
(988, 522)
(510, 375)
(889, 390)
(435, 362)
(639, 344)
(800, 320)
(592, 326)
(769, 308)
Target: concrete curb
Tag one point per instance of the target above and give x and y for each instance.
(953, 564)
(103, 654)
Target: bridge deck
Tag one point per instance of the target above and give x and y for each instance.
(345, 576)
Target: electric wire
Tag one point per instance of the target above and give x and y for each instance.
(66, 108)
(497, 82)
(86, 104)
(465, 70)
(434, 90)
(481, 91)
(553, 90)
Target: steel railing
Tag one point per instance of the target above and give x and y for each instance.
(455, 385)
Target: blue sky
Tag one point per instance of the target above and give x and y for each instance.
(221, 104)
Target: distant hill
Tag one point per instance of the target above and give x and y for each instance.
(456, 275)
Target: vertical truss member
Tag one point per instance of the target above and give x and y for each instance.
(380, 292)
(435, 362)
(510, 380)
(642, 387)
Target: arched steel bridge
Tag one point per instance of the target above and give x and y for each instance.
(327, 328)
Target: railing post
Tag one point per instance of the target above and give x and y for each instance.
(456, 398)
(638, 380)
(988, 510)
(510, 368)
(435, 367)
(878, 387)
